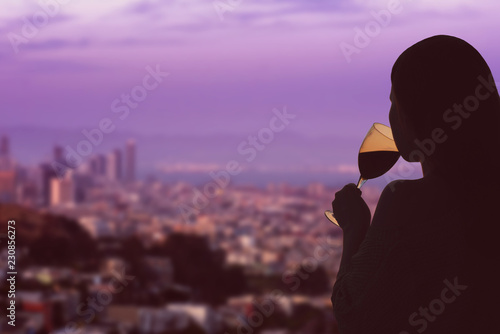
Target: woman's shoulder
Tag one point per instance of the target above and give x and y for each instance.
(408, 201)
(399, 187)
(405, 193)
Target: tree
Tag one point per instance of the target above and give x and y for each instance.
(315, 283)
(202, 268)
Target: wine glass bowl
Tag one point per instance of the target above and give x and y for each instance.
(377, 154)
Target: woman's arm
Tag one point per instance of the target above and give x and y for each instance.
(353, 216)
(365, 251)
(352, 239)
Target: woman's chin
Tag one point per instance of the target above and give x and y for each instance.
(410, 157)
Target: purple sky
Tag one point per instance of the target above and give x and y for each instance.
(226, 75)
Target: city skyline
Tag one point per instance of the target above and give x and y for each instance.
(58, 182)
(290, 158)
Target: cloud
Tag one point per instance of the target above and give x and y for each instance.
(57, 43)
(445, 7)
(170, 22)
(53, 65)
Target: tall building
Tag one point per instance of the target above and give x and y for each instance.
(6, 162)
(111, 166)
(62, 191)
(97, 164)
(101, 164)
(27, 193)
(47, 173)
(114, 165)
(94, 165)
(58, 153)
(7, 173)
(4, 146)
(130, 161)
(7, 186)
(119, 164)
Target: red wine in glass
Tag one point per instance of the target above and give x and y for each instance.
(376, 163)
(378, 153)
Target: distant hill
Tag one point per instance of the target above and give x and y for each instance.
(32, 144)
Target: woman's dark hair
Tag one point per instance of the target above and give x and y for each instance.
(442, 82)
(435, 78)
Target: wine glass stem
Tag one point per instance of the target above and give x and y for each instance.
(361, 181)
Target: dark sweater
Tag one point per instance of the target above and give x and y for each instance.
(411, 278)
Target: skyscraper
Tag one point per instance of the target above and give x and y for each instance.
(6, 162)
(58, 153)
(111, 166)
(47, 174)
(62, 191)
(94, 165)
(114, 165)
(7, 173)
(7, 186)
(130, 161)
(101, 164)
(4, 146)
(119, 164)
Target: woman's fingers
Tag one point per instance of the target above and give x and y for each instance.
(349, 207)
(347, 192)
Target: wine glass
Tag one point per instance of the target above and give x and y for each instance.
(377, 154)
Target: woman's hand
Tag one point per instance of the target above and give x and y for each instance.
(351, 211)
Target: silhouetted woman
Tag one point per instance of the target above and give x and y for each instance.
(429, 260)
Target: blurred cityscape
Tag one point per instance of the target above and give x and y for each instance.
(100, 251)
